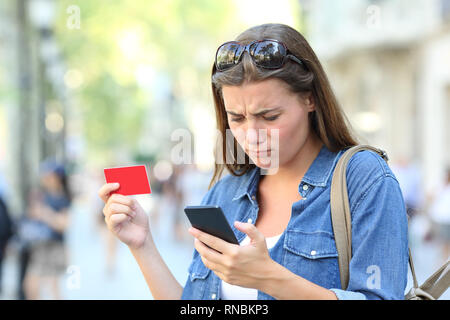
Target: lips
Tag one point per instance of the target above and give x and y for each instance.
(260, 152)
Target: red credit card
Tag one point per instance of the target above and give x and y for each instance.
(133, 179)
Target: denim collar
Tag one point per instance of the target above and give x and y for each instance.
(318, 174)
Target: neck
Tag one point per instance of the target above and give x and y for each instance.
(294, 170)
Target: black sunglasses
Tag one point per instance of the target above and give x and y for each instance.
(267, 53)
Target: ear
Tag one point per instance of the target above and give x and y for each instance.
(308, 100)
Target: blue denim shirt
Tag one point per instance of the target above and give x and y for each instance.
(379, 263)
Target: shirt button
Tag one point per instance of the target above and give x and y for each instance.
(313, 252)
(305, 187)
(253, 197)
(250, 220)
(213, 296)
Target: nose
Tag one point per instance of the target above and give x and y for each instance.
(251, 136)
(256, 138)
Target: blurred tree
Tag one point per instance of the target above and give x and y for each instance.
(118, 39)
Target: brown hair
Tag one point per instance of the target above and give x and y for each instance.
(328, 120)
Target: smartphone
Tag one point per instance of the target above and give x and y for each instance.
(210, 219)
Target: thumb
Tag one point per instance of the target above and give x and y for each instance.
(249, 229)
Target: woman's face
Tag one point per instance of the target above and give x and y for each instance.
(267, 105)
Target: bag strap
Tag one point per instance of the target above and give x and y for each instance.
(438, 282)
(413, 271)
(434, 286)
(340, 210)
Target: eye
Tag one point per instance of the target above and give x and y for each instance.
(271, 118)
(238, 119)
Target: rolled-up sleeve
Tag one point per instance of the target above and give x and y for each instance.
(379, 264)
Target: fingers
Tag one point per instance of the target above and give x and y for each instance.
(117, 208)
(117, 204)
(106, 190)
(119, 198)
(249, 229)
(210, 258)
(213, 242)
(208, 253)
(115, 220)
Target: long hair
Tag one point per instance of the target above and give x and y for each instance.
(328, 120)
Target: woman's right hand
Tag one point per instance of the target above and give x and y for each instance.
(124, 217)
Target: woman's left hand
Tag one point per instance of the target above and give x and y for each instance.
(247, 266)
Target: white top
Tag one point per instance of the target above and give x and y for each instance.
(232, 292)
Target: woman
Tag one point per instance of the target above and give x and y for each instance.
(49, 208)
(282, 218)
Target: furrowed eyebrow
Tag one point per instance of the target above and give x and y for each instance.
(260, 113)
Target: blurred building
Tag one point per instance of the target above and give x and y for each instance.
(34, 99)
(389, 63)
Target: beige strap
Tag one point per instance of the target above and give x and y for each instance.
(340, 210)
(438, 282)
(413, 272)
(433, 287)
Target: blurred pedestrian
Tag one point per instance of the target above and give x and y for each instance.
(192, 185)
(178, 199)
(409, 177)
(49, 208)
(110, 242)
(440, 217)
(6, 226)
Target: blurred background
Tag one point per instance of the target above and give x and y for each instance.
(86, 85)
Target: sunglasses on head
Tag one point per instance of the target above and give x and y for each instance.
(267, 53)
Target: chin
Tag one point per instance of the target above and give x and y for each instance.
(264, 162)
